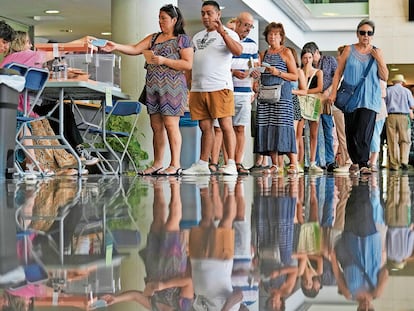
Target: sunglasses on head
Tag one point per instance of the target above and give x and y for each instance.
(363, 33)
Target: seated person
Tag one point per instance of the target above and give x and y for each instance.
(20, 52)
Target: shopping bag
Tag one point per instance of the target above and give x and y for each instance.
(310, 106)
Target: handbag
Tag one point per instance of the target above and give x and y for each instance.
(270, 93)
(143, 96)
(310, 104)
(347, 94)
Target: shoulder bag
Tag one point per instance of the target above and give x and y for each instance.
(270, 93)
(310, 104)
(143, 97)
(347, 95)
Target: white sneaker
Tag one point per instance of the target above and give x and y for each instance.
(315, 169)
(197, 169)
(229, 169)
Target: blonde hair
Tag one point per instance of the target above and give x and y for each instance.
(19, 42)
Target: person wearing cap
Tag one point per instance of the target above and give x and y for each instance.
(400, 102)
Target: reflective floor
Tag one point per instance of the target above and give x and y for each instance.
(312, 242)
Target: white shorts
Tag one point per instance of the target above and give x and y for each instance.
(243, 107)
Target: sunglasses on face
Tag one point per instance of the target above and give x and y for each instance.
(363, 33)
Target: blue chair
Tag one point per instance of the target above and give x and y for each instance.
(123, 108)
(22, 69)
(36, 79)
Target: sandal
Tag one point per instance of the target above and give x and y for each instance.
(292, 170)
(150, 171)
(241, 169)
(214, 168)
(274, 170)
(177, 171)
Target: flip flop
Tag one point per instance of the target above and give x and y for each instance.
(177, 172)
(150, 171)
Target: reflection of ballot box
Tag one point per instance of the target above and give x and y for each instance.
(190, 199)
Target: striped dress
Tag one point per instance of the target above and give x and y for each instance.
(167, 87)
(274, 122)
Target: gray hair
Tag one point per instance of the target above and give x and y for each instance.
(366, 21)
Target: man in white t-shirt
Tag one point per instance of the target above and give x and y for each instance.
(211, 93)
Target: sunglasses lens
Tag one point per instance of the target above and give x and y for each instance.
(363, 33)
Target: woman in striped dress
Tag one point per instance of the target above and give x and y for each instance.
(275, 133)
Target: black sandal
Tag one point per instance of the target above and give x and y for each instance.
(150, 171)
(241, 169)
(178, 171)
(214, 168)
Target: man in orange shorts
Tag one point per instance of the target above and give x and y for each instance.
(211, 95)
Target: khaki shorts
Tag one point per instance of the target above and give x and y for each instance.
(211, 105)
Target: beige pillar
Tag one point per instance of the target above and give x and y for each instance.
(131, 21)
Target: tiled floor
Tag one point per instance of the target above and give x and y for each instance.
(311, 241)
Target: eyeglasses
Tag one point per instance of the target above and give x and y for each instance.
(249, 26)
(363, 33)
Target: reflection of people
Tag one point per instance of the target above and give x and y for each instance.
(168, 282)
(211, 249)
(166, 86)
(211, 95)
(399, 102)
(275, 133)
(279, 266)
(400, 245)
(243, 276)
(359, 124)
(311, 278)
(358, 258)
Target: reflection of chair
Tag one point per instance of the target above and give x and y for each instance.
(121, 108)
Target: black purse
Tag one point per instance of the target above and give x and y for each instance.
(143, 97)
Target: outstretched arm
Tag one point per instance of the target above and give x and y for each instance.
(132, 295)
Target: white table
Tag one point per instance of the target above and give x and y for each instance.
(81, 90)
